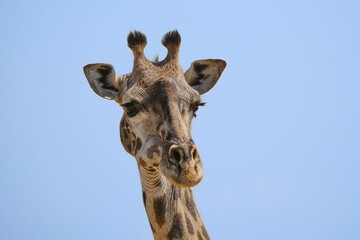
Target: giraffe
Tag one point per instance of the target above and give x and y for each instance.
(159, 102)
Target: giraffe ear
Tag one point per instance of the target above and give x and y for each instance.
(203, 74)
(103, 80)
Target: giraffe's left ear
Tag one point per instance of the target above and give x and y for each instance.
(203, 74)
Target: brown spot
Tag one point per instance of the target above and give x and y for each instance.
(176, 230)
(142, 162)
(125, 140)
(183, 112)
(189, 225)
(128, 147)
(138, 144)
(152, 150)
(125, 134)
(133, 144)
(160, 210)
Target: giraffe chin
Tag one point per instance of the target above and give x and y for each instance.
(184, 175)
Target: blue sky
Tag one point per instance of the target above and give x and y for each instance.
(279, 136)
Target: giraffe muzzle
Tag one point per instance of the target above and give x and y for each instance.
(182, 166)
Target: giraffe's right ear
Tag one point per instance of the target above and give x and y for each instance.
(103, 80)
(204, 74)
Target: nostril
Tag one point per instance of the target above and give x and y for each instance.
(194, 153)
(175, 154)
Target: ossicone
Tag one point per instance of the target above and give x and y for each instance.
(136, 42)
(171, 41)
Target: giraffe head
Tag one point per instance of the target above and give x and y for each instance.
(159, 102)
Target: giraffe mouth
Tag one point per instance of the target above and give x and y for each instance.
(186, 173)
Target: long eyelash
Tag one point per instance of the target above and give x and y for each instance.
(199, 104)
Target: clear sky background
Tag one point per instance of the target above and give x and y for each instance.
(279, 136)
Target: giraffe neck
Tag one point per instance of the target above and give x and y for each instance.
(171, 210)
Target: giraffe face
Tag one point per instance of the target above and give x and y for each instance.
(156, 127)
(159, 102)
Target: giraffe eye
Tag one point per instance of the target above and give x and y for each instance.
(131, 108)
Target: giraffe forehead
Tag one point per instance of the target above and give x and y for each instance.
(161, 90)
(173, 89)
